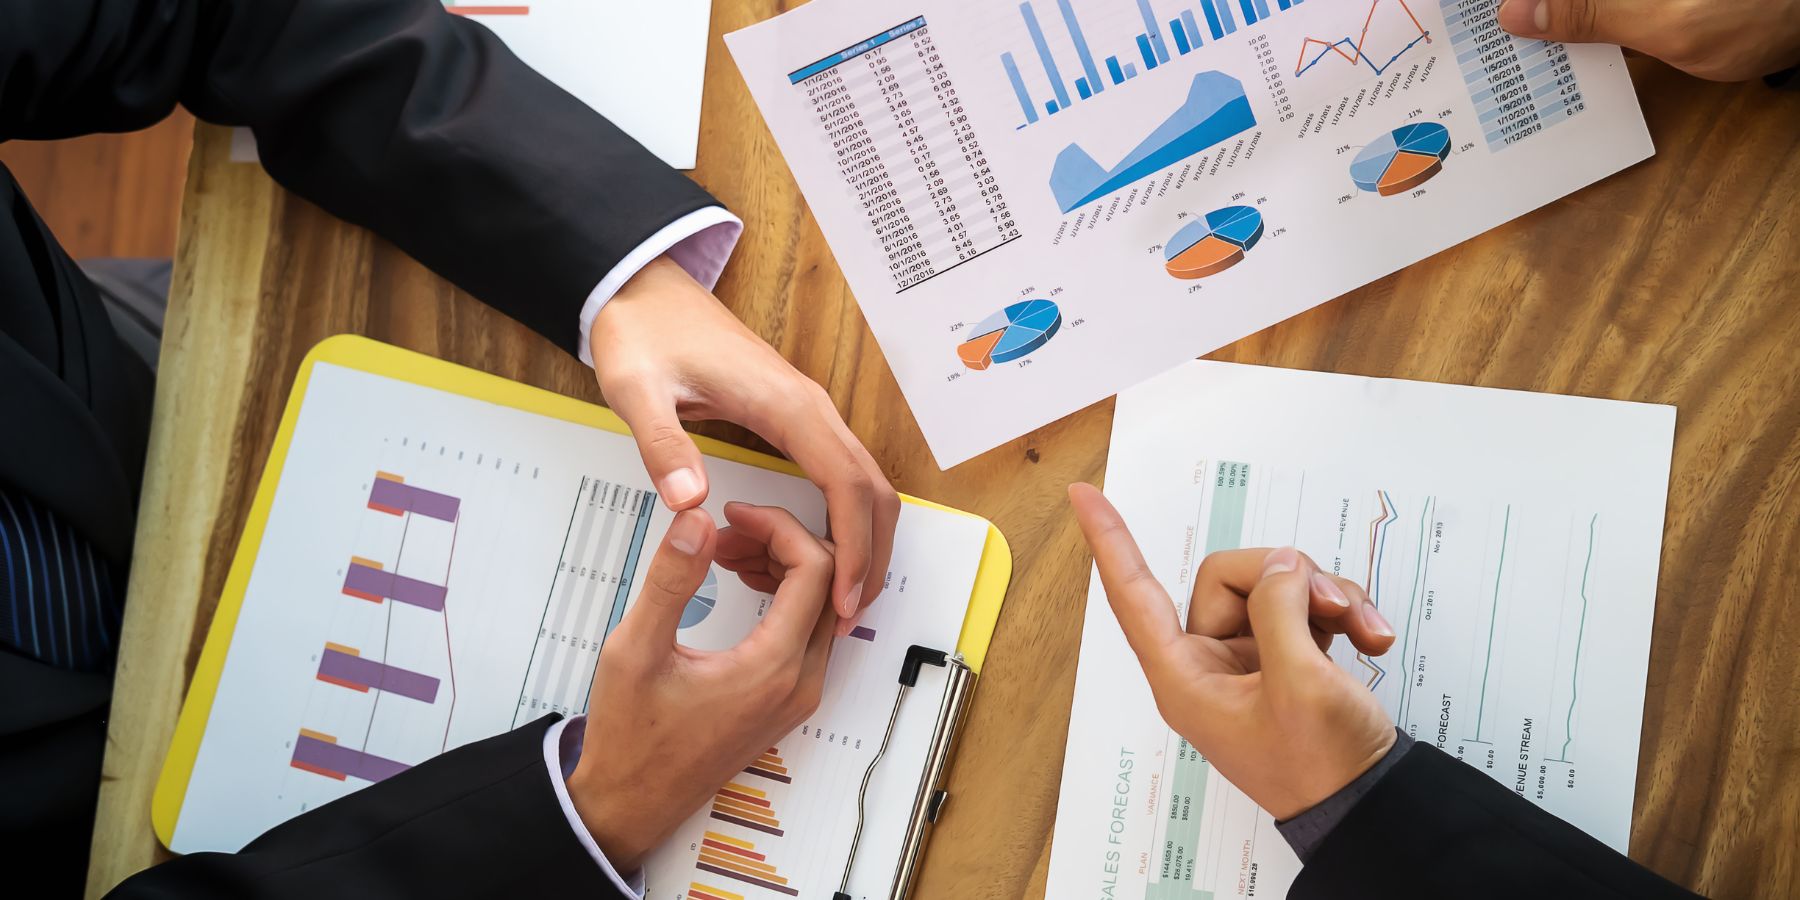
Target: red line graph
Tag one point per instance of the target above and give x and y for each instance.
(1356, 47)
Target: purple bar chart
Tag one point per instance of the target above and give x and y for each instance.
(366, 580)
(321, 754)
(392, 495)
(346, 667)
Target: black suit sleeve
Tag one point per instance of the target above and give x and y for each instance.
(479, 821)
(1436, 827)
(392, 114)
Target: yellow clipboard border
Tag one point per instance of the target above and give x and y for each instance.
(374, 357)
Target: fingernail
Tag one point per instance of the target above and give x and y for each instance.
(845, 626)
(1525, 16)
(1285, 559)
(687, 532)
(1376, 621)
(852, 601)
(1329, 590)
(680, 487)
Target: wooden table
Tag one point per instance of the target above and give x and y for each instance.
(1674, 282)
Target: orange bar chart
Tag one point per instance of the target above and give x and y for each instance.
(698, 891)
(736, 859)
(746, 806)
(770, 765)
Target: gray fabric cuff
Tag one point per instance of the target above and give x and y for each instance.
(1306, 831)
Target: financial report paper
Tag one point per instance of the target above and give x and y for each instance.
(1512, 540)
(1040, 203)
(375, 634)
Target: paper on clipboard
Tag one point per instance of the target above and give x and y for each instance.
(417, 513)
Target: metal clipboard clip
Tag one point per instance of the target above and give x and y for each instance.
(928, 802)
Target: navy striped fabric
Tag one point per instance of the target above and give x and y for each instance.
(58, 603)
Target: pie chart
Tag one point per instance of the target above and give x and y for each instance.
(1211, 245)
(1402, 159)
(701, 604)
(1011, 333)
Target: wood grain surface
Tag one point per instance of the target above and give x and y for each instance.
(1673, 282)
(108, 194)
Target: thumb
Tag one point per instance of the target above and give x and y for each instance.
(669, 453)
(676, 572)
(1279, 609)
(1575, 21)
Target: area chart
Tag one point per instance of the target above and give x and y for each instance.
(1213, 244)
(1402, 159)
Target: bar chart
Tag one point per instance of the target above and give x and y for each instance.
(739, 860)
(347, 668)
(478, 10)
(1160, 41)
(429, 522)
(321, 754)
(747, 807)
(770, 765)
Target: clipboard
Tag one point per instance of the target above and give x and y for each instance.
(376, 358)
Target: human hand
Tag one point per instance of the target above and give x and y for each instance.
(1723, 40)
(668, 725)
(666, 351)
(1247, 682)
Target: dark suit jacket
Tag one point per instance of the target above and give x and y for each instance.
(389, 113)
(1436, 827)
(479, 821)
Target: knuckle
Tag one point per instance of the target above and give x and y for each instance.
(1581, 19)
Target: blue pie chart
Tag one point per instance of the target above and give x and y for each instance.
(701, 604)
(1011, 333)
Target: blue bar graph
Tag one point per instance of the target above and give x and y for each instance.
(1051, 107)
(1224, 9)
(1212, 19)
(1018, 83)
(1249, 9)
(1081, 88)
(1282, 3)
(1153, 35)
(1143, 42)
(1043, 49)
(1081, 46)
(1112, 68)
(1193, 27)
(1262, 9)
(1130, 70)
(1181, 41)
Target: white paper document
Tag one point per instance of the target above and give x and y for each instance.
(641, 65)
(1512, 540)
(1040, 203)
(374, 634)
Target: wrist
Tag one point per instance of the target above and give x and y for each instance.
(609, 820)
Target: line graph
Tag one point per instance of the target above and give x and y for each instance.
(1378, 529)
(1580, 632)
(1353, 50)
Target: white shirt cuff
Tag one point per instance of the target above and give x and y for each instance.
(562, 750)
(699, 242)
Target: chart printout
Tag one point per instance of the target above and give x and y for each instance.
(438, 569)
(1511, 538)
(1040, 203)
